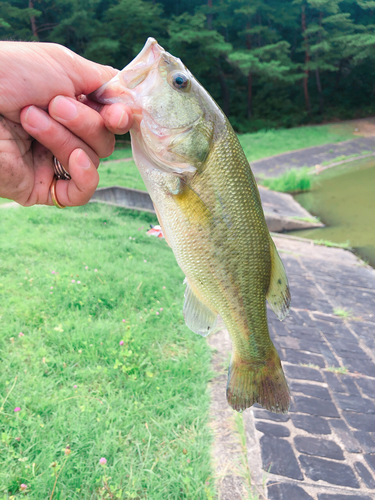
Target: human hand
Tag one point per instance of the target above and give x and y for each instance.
(37, 77)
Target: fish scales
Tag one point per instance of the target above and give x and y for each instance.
(208, 205)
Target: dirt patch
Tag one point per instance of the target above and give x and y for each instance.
(365, 127)
(361, 127)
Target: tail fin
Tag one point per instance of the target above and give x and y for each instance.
(265, 384)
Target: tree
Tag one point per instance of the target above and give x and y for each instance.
(330, 40)
(261, 52)
(17, 20)
(201, 49)
(130, 23)
(256, 58)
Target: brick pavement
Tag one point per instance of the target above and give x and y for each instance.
(324, 448)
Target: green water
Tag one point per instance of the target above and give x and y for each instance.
(344, 199)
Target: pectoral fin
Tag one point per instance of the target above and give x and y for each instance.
(198, 317)
(278, 294)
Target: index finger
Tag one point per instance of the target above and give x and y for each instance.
(118, 118)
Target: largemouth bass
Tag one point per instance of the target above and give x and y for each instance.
(209, 208)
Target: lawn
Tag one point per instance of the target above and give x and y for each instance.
(120, 173)
(272, 142)
(96, 356)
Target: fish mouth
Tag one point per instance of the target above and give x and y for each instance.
(121, 87)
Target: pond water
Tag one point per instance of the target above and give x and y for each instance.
(343, 198)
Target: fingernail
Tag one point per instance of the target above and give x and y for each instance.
(121, 123)
(64, 108)
(37, 119)
(83, 160)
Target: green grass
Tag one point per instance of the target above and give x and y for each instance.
(68, 280)
(295, 180)
(312, 219)
(4, 200)
(339, 159)
(328, 243)
(272, 142)
(338, 369)
(118, 154)
(342, 313)
(343, 158)
(120, 174)
(244, 469)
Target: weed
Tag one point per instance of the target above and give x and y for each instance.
(310, 365)
(245, 470)
(339, 159)
(342, 313)
(313, 220)
(295, 180)
(362, 262)
(338, 369)
(328, 243)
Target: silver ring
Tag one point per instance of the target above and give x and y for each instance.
(60, 173)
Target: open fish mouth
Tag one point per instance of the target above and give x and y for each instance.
(121, 87)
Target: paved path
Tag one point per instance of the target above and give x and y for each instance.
(276, 165)
(324, 449)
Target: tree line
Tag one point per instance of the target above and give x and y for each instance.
(267, 62)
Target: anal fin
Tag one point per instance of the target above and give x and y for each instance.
(198, 317)
(278, 294)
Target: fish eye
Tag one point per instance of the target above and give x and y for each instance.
(180, 81)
